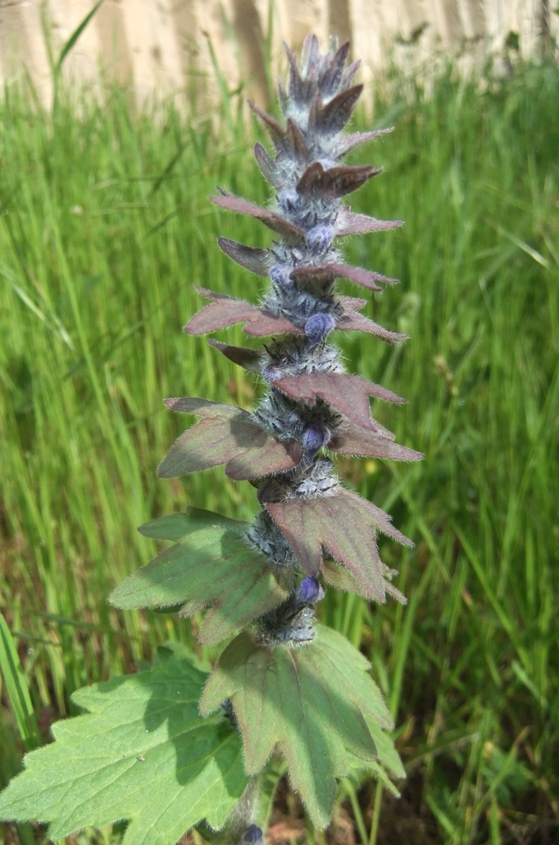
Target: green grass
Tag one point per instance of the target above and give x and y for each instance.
(105, 227)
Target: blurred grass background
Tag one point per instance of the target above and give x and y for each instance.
(105, 227)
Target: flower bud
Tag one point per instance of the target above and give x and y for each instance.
(320, 238)
(253, 836)
(314, 438)
(318, 327)
(309, 591)
(279, 275)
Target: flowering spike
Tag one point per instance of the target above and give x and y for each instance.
(311, 404)
(309, 530)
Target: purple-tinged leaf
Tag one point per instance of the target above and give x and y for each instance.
(210, 565)
(346, 526)
(310, 58)
(267, 166)
(269, 218)
(317, 705)
(283, 97)
(297, 143)
(329, 272)
(331, 118)
(334, 182)
(350, 72)
(341, 578)
(330, 81)
(310, 179)
(255, 260)
(249, 359)
(351, 439)
(350, 142)
(349, 223)
(342, 180)
(227, 435)
(350, 320)
(226, 311)
(300, 90)
(275, 130)
(348, 393)
(289, 142)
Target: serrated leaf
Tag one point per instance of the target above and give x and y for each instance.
(209, 565)
(345, 525)
(226, 435)
(314, 703)
(142, 753)
(348, 393)
(226, 311)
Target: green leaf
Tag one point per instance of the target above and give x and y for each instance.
(317, 703)
(209, 565)
(142, 753)
(178, 526)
